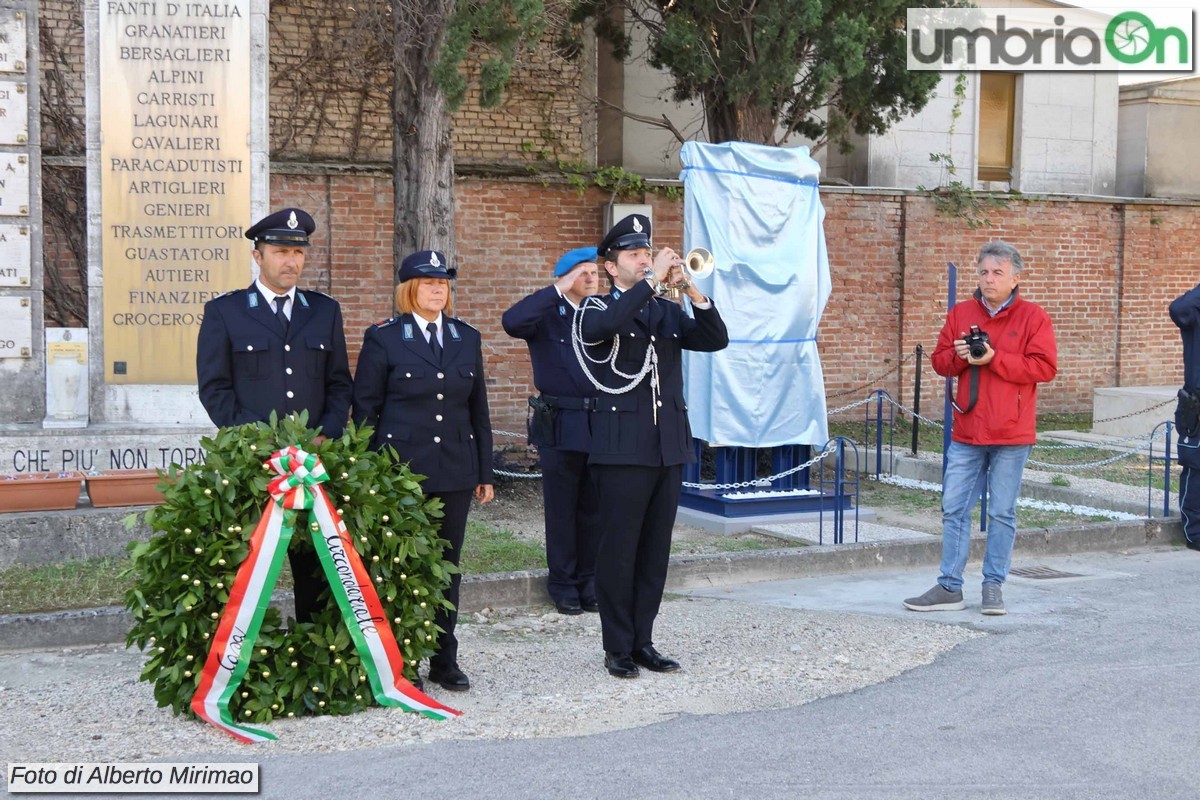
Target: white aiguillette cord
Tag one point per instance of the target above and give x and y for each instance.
(649, 365)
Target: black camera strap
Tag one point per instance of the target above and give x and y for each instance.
(973, 392)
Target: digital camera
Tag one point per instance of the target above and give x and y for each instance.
(977, 342)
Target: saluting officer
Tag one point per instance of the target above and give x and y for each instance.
(559, 428)
(272, 347)
(420, 383)
(640, 434)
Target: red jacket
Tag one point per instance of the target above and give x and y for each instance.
(1006, 409)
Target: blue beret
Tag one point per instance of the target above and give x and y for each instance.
(291, 226)
(572, 258)
(425, 264)
(628, 234)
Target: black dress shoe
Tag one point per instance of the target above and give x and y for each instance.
(590, 606)
(653, 660)
(570, 608)
(1192, 545)
(451, 678)
(620, 665)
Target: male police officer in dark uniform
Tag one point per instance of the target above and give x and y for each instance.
(559, 428)
(271, 347)
(1185, 313)
(640, 434)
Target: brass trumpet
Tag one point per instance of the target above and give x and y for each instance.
(697, 264)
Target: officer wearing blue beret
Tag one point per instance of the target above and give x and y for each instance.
(640, 433)
(420, 384)
(273, 348)
(559, 428)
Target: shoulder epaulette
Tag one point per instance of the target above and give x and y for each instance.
(386, 322)
(458, 321)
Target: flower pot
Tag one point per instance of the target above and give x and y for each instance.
(126, 487)
(39, 491)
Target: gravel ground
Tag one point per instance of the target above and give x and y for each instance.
(533, 676)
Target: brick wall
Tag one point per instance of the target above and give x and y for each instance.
(329, 80)
(1105, 272)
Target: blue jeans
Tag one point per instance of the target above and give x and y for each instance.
(968, 468)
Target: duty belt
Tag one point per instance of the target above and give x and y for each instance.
(570, 403)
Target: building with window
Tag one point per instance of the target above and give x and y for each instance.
(1033, 132)
(1153, 160)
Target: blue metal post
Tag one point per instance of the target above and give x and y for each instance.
(839, 493)
(878, 432)
(1167, 475)
(948, 411)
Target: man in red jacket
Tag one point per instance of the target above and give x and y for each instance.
(1000, 347)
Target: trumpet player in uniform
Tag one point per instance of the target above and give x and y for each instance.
(640, 433)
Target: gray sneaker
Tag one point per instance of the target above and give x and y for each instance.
(939, 598)
(993, 600)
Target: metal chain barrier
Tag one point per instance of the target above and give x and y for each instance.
(874, 380)
(1147, 444)
(760, 481)
(935, 423)
(1139, 411)
(855, 404)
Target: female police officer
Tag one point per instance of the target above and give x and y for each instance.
(420, 383)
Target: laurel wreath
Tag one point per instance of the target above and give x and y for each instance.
(183, 574)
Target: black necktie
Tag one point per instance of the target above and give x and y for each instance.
(433, 342)
(280, 305)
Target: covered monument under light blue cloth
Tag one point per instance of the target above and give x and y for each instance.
(757, 209)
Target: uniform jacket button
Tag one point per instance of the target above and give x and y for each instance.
(322, 347)
(441, 397)
(287, 348)
(614, 408)
(288, 370)
(660, 403)
(441, 375)
(652, 338)
(437, 440)
(291, 394)
(438, 417)
(249, 347)
(389, 436)
(408, 374)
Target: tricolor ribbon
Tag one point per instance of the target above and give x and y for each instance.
(297, 486)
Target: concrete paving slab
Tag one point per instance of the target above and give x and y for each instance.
(881, 593)
(815, 533)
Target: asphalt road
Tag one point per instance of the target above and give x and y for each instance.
(1088, 689)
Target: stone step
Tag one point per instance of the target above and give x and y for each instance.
(1132, 410)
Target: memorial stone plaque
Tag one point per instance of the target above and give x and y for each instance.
(13, 46)
(14, 113)
(15, 254)
(174, 175)
(14, 185)
(16, 328)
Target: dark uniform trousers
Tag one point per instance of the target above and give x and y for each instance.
(640, 440)
(434, 413)
(248, 365)
(1185, 313)
(572, 512)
